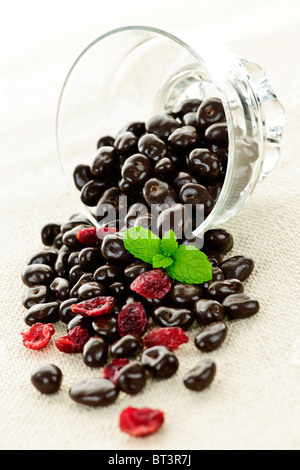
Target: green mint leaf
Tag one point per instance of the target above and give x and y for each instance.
(190, 266)
(169, 244)
(161, 261)
(142, 243)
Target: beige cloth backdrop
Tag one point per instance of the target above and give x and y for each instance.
(254, 402)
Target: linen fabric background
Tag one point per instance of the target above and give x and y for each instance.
(254, 402)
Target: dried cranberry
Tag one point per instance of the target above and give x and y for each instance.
(140, 421)
(103, 231)
(132, 320)
(111, 370)
(88, 236)
(171, 337)
(74, 341)
(38, 336)
(95, 307)
(153, 284)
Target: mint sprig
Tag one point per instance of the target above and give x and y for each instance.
(183, 263)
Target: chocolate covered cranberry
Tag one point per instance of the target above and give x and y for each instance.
(237, 267)
(94, 391)
(65, 311)
(106, 326)
(137, 127)
(153, 147)
(183, 138)
(107, 274)
(217, 134)
(160, 361)
(126, 143)
(104, 161)
(160, 193)
(164, 168)
(200, 376)
(82, 175)
(47, 378)
(217, 275)
(190, 119)
(44, 257)
(136, 169)
(35, 274)
(183, 178)
(94, 352)
(162, 125)
(204, 164)
(188, 105)
(208, 311)
(209, 112)
(176, 218)
(132, 378)
(42, 313)
(105, 140)
(91, 191)
(133, 270)
(61, 287)
(38, 294)
(91, 289)
(126, 346)
(49, 232)
(169, 317)
(218, 290)
(196, 195)
(113, 249)
(240, 305)
(86, 277)
(211, 337)
(184, 295)
(219, 240)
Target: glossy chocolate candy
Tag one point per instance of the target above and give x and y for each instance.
(94, 352)
(211, 337)
(132, 378)
(204, 164)
(219, 240)
(35, 274)
(42, 313)
(184, 295)
(104, 161)
(94, 391)
(38, 294)
(47, 378)
(162, 125)
(201, 376)
(168, 317)
(240, 306)
(218, 290)
(237, 267)
(126, 346)
(208, 311)
(153, 147)
(160, 361)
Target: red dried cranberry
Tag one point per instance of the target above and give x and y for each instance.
(111, 370)
(140, 421)
(88, 236)
(132, 320)
(38, 336)
(74, 341)
(94, 307)
(153, 284)
(103, 231)
(171, 337)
